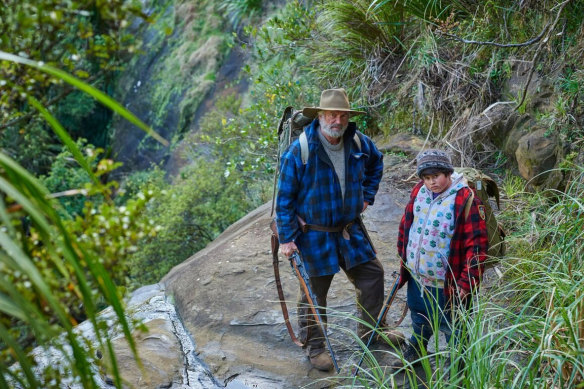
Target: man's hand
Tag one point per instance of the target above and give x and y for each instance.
(288, 248)
(365, 205)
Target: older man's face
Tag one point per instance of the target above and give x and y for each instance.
(334, 123)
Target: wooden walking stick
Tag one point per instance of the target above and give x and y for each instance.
(298, 266)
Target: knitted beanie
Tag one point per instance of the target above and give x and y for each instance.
(433, 159)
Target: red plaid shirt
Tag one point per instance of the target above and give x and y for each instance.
(468, 247)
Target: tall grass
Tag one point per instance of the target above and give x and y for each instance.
(27, 211)
(360, 43)
(525, 330)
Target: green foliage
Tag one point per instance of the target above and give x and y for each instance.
(239, 10)
(186, 215)
(53, 274)
(47, 274)
(113, 233)
(355, 39)
(359, 40)
(66, 175)
(31, 145)
(81, 36)
(281, 65)
(110, 230)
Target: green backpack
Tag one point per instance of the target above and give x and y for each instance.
(290, 127)
(485, 187)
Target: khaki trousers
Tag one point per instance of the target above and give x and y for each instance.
(369, 288)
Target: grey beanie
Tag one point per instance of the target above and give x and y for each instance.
(433, 159)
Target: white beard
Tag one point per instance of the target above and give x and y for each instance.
(332, 130)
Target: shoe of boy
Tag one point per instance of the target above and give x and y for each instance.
(410, 355)
(322, 361)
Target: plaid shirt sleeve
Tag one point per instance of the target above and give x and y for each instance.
(288, 187)
(373, 170)
(470, 243)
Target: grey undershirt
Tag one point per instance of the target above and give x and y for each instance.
(336, 154)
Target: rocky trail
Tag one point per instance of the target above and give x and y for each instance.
(226, 296)
(215, 320)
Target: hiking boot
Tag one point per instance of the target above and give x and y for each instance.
(322, 361)
(392, 337)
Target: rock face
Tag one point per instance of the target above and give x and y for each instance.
(166, 350)
(227, 298)
(174, 79)
(159, 351)
(534, 150)
(537, 154)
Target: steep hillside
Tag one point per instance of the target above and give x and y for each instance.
(186, 60)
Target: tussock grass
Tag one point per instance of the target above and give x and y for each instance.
(524, 331)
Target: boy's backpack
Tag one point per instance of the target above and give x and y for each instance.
(484, 187)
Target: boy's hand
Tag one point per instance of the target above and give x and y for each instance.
(458, 291)
(462, 294)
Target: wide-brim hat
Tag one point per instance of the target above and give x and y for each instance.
(332, 100)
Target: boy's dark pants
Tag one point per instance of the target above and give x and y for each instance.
(428, 310)
(368, 281)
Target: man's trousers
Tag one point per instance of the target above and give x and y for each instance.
(367, 279)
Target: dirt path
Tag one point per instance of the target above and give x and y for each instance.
(227, 297)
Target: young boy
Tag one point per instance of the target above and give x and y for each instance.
(442, 251)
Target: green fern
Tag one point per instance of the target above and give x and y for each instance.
(26, 209)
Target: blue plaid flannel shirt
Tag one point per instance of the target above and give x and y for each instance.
(313, 192)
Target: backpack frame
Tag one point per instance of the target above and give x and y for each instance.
(484, 187)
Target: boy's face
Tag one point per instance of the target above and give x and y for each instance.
(437, 182)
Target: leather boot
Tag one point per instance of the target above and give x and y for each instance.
(386, 335)
(322, 361)
(392, 337)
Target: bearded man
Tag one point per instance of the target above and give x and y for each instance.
(328, 191)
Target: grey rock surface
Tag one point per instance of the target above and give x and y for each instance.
(166, 350)
(227, 298)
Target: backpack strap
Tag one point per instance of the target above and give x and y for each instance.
(468, 204)
(304, 145)
(357, 141)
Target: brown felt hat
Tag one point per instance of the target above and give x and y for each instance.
(331, 100)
